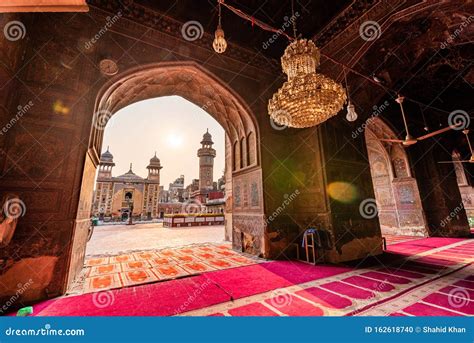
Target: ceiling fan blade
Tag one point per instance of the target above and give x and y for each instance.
(392, 140)
(431, 134)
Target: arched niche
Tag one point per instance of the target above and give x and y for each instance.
(396, 191)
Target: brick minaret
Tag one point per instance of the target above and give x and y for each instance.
(206, 156)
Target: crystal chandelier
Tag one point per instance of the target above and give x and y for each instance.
(306, 99)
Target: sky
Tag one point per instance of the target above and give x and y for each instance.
(171, 126)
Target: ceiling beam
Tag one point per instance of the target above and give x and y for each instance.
(8, 6)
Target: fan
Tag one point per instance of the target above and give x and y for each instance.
(409, 140)
(471, 159)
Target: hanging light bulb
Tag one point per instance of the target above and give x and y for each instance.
(351, 113)
(219, 44)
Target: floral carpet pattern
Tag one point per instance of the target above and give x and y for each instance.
(110, 272)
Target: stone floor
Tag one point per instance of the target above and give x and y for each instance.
(117, 239)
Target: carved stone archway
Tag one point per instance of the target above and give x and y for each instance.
(244, 212)
(396, 191)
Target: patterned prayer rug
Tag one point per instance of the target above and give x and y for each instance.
(110, 272)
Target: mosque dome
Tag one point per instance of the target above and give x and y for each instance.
(107, 157)
(207, 138)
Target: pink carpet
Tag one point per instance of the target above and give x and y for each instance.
(450, 302)
(421, 245)
(350, 291)
(259, 278)
(420, 309)
(254, 309)
(328, 299)
(159, 299)
(293, 306)
(363, 282)
(385, 277)
(187, 294)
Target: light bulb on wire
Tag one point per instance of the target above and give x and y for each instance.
(219, 44)
(351, 112)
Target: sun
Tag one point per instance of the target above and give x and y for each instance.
(174, 140)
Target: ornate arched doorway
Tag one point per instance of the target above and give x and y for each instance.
(244, 191)
(396, 191)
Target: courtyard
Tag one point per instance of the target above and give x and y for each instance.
(119, 239)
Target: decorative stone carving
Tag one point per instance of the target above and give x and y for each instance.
(108, 67)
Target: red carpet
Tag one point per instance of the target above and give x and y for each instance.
(421, 245)
(243, 282)
(159, 299)
(385, 277)
(420, 309)
(293, 306)
(226, 292)
(350, 291)
(325, 298)
(448, 301)
(255, 309)
(187, 294)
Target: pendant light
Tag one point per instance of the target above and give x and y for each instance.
(219, 44)
(351, 112)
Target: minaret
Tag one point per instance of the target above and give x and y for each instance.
(206, 156)
(154, 169)
(106, 163)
